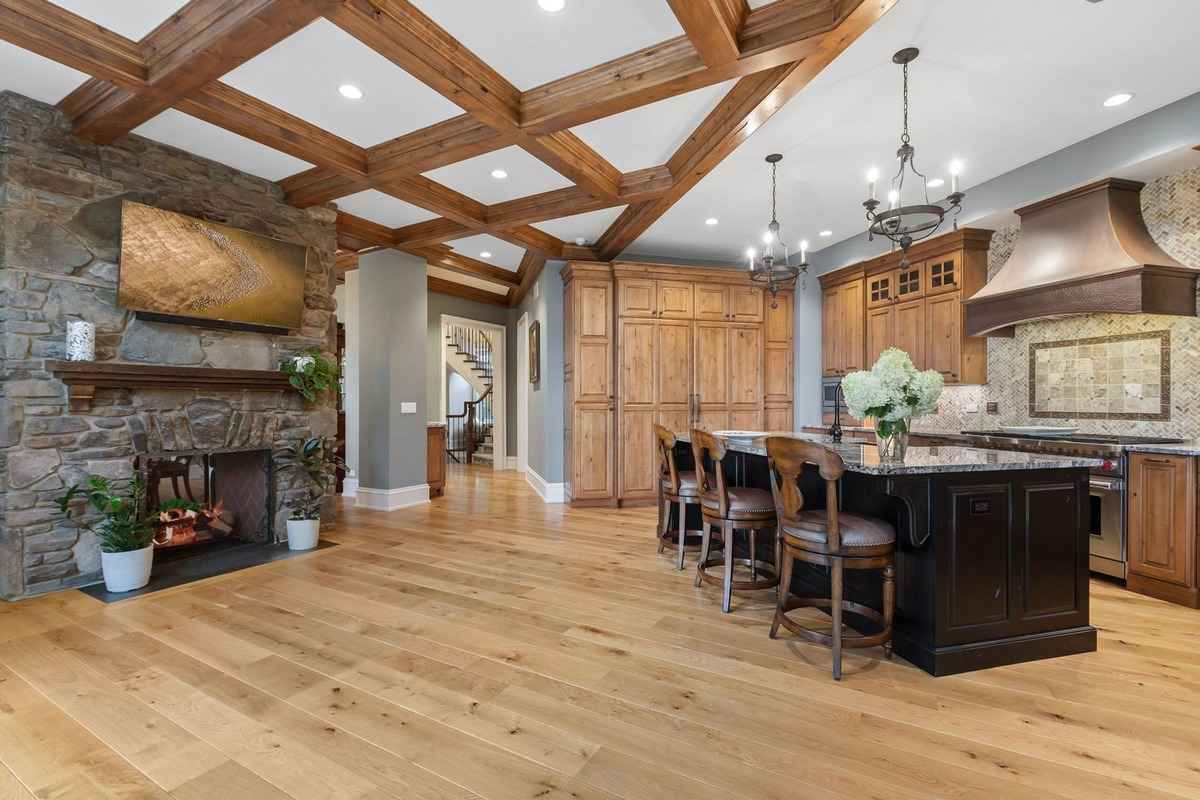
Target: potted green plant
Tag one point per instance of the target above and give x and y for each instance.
(316, 462)
(125, 532)
(310, 373)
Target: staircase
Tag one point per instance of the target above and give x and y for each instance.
(469, 432)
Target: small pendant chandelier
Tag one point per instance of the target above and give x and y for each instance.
(904, 224)
(772, 267)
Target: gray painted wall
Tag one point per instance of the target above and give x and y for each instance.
(440, 304)
(545, 398)
(1114, 153)
(393, 312)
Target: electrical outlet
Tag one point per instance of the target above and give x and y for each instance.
(993, 408)
(408, 408)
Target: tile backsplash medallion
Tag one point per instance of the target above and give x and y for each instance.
(1171, 207)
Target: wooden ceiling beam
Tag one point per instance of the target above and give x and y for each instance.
(320, 185)
(431, 232)
(193, 47)
(546, 205)
(442, 286)
(534, 240)
(433, 196)
(712, 26)
(752, 101)
(363, 230)
(571, 157)
(529, 271)
(438, 145)
(446, 258)
(59, 35)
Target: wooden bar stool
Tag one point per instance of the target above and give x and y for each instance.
(830, 538)
(730, 509)
(677, 489)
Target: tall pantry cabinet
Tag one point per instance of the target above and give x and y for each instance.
(682, 347)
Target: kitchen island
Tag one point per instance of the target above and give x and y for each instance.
(991, 550)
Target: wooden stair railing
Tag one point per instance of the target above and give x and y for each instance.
(467, 430)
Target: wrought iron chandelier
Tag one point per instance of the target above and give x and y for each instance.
(901, 223)
(772, 267)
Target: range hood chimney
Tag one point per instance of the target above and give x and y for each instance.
(1083, 252)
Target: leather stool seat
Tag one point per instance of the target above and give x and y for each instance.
(857, 532)
(743, 502)
(687, 484)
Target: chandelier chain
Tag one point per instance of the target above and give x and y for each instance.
(904, 136)
(773, 166)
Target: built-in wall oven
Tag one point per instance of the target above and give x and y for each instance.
(829, 388)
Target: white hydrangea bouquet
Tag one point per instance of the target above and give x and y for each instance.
(892, 393)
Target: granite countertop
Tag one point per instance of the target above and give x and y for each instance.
(864, 458)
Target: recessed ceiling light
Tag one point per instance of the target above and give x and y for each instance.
(579, 240)
(350, 91)
(485, 254)
(499, 174)
(935, 183)
(711, 221)
(553, 6)
(1119, 99)
(825, 233)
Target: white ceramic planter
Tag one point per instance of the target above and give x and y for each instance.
(124, 572)
(303, 533)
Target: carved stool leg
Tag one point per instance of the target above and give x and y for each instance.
(785, 581)
(705, 541)
(664, 522)
(727, 589)
(682, 531)
(889, 606)
(836, 608)
(753, 554)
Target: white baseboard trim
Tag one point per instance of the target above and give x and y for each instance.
(549, 492)
(510, 462)
(392, 499)
(349, 487)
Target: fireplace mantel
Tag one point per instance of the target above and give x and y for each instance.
(82, 378)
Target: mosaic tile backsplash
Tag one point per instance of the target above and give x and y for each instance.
(1109, 377)
(1171, 207)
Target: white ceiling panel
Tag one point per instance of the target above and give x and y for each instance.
(587, 226)
(473, 177)
(29, 74)
(649, 135)
(133, 19)
(974, 97)
(301, 75)
(502, 254)
(529, 46)
(466, 280)
(197, 136)
(383, 208)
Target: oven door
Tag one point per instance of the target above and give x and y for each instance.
(829, 387)
(1107, 500)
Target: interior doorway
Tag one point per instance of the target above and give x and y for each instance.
(523, 394)
(455, 355)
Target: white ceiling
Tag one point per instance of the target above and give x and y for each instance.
(301, 75)
(587, 226)
(33, 76)
(197, 136)
(997, 84)
(133, 19)
(503, 254)
(473, 177)
(383, 208)
(530, 47)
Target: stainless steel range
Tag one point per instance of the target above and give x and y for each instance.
(1107, 485)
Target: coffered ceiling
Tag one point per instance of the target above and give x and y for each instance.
(627, 156)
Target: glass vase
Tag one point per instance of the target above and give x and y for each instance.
(891, 439)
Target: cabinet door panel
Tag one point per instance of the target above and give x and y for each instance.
(1162, 523)
(746, 303)
(881, 331)
(637, 454)
(637, 362)
(881, 289)
(712, 364)
(746, 420)
(944, 335)
(712, 302)
(831, 300)
(910, 330)
(713, 420)
(593, 377)
(673, 372)
(943, 274)
(779, 418)
(674, 300)
(778, 329)
(637, 298)
(593, 312)
(592, 447)
(746, 365)
(777, 374)
(675, 421)
(853, 327)
(910, 282)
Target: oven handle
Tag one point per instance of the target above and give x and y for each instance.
(1108, 486)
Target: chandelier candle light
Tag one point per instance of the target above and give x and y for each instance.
(772, 268)
(907, 223)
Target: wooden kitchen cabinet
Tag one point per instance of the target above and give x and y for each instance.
(637, 299)
(881, 331)
(746, 304)
(1161, 532)
(675, 300)
(588, 375)
(843, 327)
(943, 326)
(712, 302)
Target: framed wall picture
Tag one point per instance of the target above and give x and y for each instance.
(535, 352)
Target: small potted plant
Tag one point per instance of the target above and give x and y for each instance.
(316, 462)
(126, 534)
(310, 373)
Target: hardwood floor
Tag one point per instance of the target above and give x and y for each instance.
(490, 646)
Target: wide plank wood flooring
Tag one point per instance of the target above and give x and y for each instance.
(489, 646)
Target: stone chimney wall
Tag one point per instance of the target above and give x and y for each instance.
(60, 200)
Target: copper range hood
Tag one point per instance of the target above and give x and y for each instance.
(1083, 252)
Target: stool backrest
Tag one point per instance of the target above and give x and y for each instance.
(786, 459)
(705, 448)
(664, 442)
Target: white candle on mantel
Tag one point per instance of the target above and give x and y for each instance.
(956, 168)
(872, 177)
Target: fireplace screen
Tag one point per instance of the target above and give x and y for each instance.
(199, 498)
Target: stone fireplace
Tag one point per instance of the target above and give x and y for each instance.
(59, 251)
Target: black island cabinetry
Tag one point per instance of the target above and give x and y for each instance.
(992, 549)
